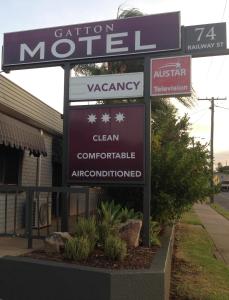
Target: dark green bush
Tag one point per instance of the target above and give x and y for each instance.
(108, 212)
(126, 214)
(155, 229)
(77, 248)
(115, 248)
(104, 230)
(87, 228)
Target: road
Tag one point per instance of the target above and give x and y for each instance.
(222, 199)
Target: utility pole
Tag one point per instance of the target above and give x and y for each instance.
(212, 108)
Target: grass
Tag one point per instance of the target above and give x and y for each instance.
(196, 273)
(220, 210)
(190, 218)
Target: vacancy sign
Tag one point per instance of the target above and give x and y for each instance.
(170, 76)
(106, 144)
(128, 85)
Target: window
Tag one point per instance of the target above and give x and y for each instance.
(10, 165)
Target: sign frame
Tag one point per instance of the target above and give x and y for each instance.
(109, 182)
(9, 62)
(109, 81)
(205, 39)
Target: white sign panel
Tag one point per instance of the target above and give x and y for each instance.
(127, 85)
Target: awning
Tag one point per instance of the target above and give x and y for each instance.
(21, 136)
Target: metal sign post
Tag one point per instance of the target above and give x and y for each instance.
(147, 185)
(64, 219)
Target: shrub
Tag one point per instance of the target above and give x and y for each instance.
(104, 230)
(112, 213)
(127, 214)
(77, 248)
(115, 248)
(87, 228)
(109, 212)
(154, 233)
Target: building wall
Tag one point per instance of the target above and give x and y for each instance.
(15, 100)
(29, 166)
(28, 178)
(18, 103)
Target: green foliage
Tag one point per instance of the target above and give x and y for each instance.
(128, 13)
(155, 229)
(127, 214)
(108, 212)
(115, 248)
(190, 217)
(196, 256)
(112, 213)
(77, 248)
(105, 229)
(181, 170)
(87, 228)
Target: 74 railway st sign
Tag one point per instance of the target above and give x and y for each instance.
(205, 40)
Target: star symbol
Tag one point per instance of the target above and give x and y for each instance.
(119, 117)
(92, 118)
(105, 118)
(178, 65)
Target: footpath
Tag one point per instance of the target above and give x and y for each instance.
(217, 227)
(15, 246)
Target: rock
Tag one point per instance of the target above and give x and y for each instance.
(55, 242)
(64, 235)
(130, 232)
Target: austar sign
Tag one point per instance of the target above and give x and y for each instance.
(171, 76)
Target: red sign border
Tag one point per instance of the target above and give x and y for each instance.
(173, 94)
(102, 182)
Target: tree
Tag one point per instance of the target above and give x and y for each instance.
(181, 170)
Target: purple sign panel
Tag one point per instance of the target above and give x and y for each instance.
(145, 34)
(106, 144)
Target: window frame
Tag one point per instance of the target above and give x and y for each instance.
(4, 151)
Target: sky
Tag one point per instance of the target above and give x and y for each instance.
(209, 74)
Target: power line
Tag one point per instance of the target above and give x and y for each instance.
(198, 111)
(210, 63)
(224, 10)
(204, 114)
(224, 58)
(222, 107)
(212, 140)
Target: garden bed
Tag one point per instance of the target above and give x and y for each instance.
(41, 279)
(137, 258)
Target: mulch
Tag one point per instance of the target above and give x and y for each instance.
(137, 258)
